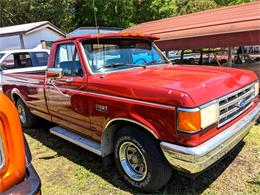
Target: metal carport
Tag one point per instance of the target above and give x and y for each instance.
(227, 27)
(222, 27)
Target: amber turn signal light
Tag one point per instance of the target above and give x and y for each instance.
(189, 121)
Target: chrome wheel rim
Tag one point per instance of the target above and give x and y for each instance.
(132, 161)
(21, 113)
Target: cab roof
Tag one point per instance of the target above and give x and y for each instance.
(110, 35)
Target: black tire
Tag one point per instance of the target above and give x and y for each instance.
(28, 119)
(158, 169)
(191, 61)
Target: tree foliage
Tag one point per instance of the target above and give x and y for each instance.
(71, 14)
(24, 11)
(121, 13)
(191, 6)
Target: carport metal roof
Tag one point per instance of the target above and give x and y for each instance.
(222, 27)
(28, 28)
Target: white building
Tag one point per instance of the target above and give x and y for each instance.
(28, 36)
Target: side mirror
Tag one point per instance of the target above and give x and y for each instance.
(54, 72)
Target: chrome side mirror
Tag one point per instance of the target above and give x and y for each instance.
(54, 73)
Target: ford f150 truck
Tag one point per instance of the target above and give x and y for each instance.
(118, 94)
(17, 174)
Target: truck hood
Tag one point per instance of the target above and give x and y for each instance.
(200, 83)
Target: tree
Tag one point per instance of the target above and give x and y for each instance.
(121, 13)
(113, 13)
(14, 12)
(147, 10)
(71, 14)
(191, 6)
(231, 2)
(56, 11)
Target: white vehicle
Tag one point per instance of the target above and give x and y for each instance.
(190, 58)
(26, 60)
(11, 59)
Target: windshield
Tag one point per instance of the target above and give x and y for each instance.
(118, 54)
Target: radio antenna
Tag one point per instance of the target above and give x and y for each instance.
(95, 18)
(97, 28)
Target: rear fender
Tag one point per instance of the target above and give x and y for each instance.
(16, 93)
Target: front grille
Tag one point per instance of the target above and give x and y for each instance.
(234, 104)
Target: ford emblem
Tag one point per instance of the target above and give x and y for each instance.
(241, 103)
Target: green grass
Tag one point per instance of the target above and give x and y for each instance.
(68, 169)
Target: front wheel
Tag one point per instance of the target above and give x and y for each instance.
(140, 160)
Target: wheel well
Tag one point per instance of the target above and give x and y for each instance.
(15, 98)
(109, 134)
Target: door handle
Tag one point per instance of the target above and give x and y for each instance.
(68, 80)
(52, 82)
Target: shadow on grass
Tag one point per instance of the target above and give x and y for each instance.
(256, 180)
(178, 184)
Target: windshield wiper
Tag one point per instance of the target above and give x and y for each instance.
(120, 64)
(157, 62)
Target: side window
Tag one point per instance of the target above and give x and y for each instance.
(22, 60)
(9, 62)
(67, 59)
(39, 58)
(77, 68)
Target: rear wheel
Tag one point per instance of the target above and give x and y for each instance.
(140, 160)
(191, 61)
(26, 117)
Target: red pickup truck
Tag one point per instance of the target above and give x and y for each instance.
(117, 94)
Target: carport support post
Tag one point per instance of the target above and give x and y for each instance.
(21, 41)
(167, 54)
(182, 55)
(201, 57)
(229, 56)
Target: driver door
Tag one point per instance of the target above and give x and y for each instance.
(66, 100)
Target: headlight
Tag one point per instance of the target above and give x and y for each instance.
(193, 120)
(256, 88)
(209, 115)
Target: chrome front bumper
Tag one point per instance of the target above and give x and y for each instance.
(196, 159)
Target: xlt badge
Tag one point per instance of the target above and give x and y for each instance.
(101, 108)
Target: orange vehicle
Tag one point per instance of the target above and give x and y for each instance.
(17, 175)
